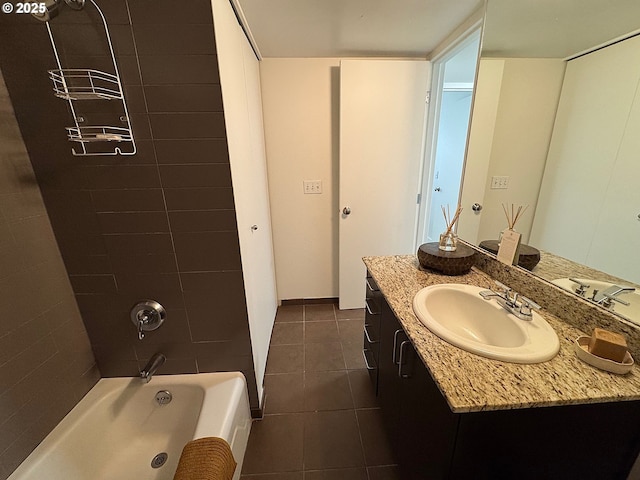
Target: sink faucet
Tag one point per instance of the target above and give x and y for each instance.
(610, 295)
(517, 304)
(152, 365)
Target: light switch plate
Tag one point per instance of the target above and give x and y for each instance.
(499, 182)
(312, 186)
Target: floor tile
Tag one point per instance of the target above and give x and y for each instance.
(314, 313)
(362, 389)
(377, 449)
(323, 356)
(287, 333)
(351, 331)
(337, 474)
(332, 440)
(319, 332)
(391, 472)
(353, 355)
(353, 314)
(289, 313)
(327, 391)
(285, 359)
(275, 444)
(284, 393)
(274, 476)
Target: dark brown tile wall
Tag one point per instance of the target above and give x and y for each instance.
(46, 362)
(156, 225)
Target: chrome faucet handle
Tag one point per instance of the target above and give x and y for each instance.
(527, 305)
(506, 290)
(609, 298)
(582, 287)
(143, 319)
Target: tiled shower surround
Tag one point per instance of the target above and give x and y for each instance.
(157, 225)
(46, 363)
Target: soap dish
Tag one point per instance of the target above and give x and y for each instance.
(582, 350)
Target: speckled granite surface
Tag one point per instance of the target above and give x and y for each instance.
(473, 383)
(576, 311)
(552, 267)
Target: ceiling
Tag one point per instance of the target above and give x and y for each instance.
(352, 28)
(553, 28)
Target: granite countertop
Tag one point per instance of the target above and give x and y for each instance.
(472, 383)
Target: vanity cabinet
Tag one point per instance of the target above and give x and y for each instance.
(371, 347)
(417, 418)
(590, 441)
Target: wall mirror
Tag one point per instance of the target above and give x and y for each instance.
(556, 112)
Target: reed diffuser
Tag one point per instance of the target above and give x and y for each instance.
(449, 239)
(512, 215)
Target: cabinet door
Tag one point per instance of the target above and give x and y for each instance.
(427, 427)
(420, 425)
(391, 335)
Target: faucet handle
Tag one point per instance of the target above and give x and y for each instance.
(526, 305)
(506, 291)
(582, 287)
(615, 298)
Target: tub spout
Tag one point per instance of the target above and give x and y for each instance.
(150, 368)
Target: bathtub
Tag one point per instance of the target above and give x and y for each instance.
(117, 430)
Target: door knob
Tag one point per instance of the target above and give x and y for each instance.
(437, 189)
(346, 211)
(476, 207)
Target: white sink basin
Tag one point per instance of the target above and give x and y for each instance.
(459, 315)
(631, 311)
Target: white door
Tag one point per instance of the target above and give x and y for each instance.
(453, 125)
(240, 81)
(382, 116)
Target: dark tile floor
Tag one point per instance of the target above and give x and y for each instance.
(321, 420)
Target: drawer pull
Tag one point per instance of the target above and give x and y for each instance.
(371, 289)
(400, 362)
(366, 334)
(395, 344)
(366, 361)
(369, 310)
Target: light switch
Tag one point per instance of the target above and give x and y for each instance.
(499, 182)
(312, 186)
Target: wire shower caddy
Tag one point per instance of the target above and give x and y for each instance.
(82, 84)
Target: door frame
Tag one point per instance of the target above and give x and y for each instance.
(473, 33)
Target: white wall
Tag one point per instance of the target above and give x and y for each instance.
(527, 103)
(300, 99)
(589, 201)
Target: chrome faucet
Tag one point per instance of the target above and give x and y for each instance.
(610, 295)
(152, 365)
(517, 304)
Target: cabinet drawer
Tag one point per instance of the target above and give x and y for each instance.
(372, 286)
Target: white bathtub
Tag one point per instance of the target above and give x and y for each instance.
(118, 428)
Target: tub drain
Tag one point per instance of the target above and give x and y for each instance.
(159, 460)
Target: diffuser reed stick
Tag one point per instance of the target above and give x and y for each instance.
(514, 215)
(447, 218)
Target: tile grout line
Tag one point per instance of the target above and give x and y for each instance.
(304, 377)
(355, 413)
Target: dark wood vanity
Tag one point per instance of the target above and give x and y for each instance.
(432, 440)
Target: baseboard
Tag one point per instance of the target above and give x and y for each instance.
(309, 301)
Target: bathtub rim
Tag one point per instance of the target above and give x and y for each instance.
(236, 437)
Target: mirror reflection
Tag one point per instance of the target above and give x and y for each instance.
(554, 126)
